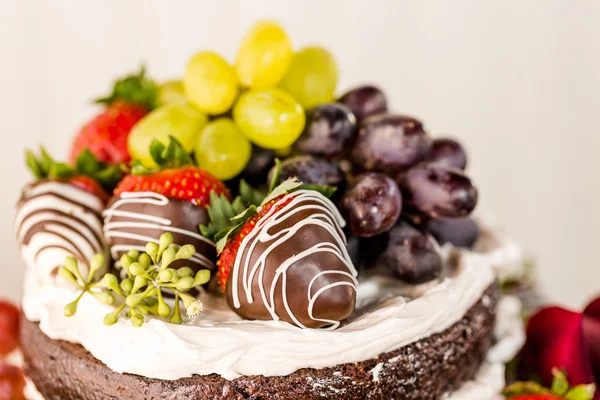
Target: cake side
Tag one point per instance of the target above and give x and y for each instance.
(422, 370)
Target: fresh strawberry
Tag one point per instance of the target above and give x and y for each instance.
(88, 173)
(187, 183)
(175, 177)
(9, 328)
(560, 390)
(106, 134)
(12, 382)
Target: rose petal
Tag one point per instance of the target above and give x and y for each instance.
(591, 332)
(555, 339)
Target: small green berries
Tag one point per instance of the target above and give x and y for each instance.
(141, 292)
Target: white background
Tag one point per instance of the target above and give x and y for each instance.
(517, 80)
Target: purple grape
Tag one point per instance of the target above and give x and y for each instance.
(460, 232)
(447, 152)
(371, 204)
(411, 255)
(311, 170)
(330, 129)
(259, 165)
(390, 143)
(438, 191)
(364, 101)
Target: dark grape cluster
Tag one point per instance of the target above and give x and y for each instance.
(400, 190)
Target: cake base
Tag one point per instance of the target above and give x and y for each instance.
(425, 369)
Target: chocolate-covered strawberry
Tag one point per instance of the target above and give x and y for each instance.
(286, 260)
(59, 215)
(172, 198)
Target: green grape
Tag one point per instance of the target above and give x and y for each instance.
(312, 77)
(270, 118)
(210, 83)
(181, 121)
(264, 56)
(171, 92)
(222, 149)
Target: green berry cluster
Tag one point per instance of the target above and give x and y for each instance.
(141, 292)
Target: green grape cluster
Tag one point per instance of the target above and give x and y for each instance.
(258, 99)
(141, 292)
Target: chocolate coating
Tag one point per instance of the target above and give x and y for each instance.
(424, 370)
(55, 220)
(297, 256)
(134, 219)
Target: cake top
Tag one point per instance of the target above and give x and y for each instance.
(182, 194)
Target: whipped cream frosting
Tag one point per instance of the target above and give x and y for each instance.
(220, 342)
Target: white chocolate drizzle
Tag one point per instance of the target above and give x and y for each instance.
(55, 220)
(137, 220)
(325, 216)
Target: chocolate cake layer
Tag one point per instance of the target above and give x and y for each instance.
(423, 370)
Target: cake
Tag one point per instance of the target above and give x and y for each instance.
(176, 256)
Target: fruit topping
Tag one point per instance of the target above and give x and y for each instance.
(149, 274)
(106, 134)
(460, 232)
(222, 149)
(312, 77)
(310, 170)
(390, 143)
(411, 255)
(329, 132)
(447, 152)
(286, 259)
(365, 101)
(438, 191)
(182, 121)
(210, 83)
(270, 118)
(171, 92)
(264, 56)
(176, 177)
(9, 328)
(371, 204)
(259, 166)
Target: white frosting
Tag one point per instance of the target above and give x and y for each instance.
(219, 342)
(141, 221)
(324, 215)
(71, 227)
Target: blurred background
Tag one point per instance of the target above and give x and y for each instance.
(517, 81)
